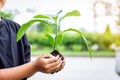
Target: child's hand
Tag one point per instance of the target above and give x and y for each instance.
(49, 64)
(62, 66)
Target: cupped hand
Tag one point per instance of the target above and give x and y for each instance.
(49, 64)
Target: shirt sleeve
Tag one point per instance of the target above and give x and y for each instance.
(26, 48)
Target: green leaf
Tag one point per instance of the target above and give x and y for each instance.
(71, 29)
(60, 11)
(50, 39)
(69, 14)
(25, 26)
(90, 53)
(57, 15)
(55, 18)
(59, 39)
(73, 13)
(42, 16)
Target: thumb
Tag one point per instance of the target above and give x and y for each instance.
(48, 56)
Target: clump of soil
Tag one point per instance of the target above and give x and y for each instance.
(55, 53)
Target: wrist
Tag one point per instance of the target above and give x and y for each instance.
(34, 64)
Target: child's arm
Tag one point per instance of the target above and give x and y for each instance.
(45, 63)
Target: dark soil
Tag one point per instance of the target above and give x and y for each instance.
(55, 53)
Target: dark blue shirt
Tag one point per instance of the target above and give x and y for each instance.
(12, 53)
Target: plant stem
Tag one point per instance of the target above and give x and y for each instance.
(55, 43)
(57, 29)
(56, 33)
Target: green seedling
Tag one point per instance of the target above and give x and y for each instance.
(53, 21)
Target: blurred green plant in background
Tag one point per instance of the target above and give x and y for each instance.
(7, 14)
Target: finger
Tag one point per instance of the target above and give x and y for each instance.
(52, 60)
(61, 67)
(57, 63)
(54, 66)
(48, 56)
(63, 63)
